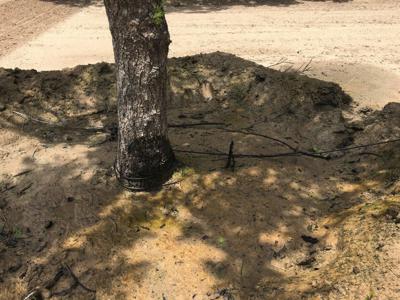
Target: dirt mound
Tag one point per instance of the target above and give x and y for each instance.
(294, 227)
(214, 87)
(246, 95)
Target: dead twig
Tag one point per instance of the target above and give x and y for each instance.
(24, 189)
(29, 118)
(294, 153)
(8, 187)
(307, 66)
(114, 223)
(359, 146)
(23, 172)
(304, 67)
(54, 124)
(280, 62)
(239, 155)
(34, 295)
(231, 158)
(173, 182)
(294, 149)
(66, 291)
(77, 280)
(51, 283)
(263, 136)
(34, 152)
(370, 153)
(241, 269)
(187, 125)
(66, 270)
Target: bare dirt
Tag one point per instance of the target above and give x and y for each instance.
(353, 43)
(291, 227)
(23, 20)
(287, 227)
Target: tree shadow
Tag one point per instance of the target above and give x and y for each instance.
(266, 230)
(214, 5)
(201, 5)
(77, 3)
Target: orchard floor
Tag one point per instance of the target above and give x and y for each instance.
(353, 43)
(290, 227)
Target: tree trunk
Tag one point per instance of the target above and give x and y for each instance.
(140, 40)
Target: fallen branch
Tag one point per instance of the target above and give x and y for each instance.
(294, 153)
(240, 155)
(66, 270)
(23, 172)
(187, 125)
(359, 146)
(29, 118)
(260, 135)
(54, 124)
(294, 149)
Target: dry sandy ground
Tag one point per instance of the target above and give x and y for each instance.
(22, 20)
(355, 44)
(293, 227)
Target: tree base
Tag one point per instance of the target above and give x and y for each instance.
(148, 183)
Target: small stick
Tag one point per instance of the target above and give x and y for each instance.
(28, 186)
(231, 159)
(65, 291)
(51, 283)
(35, 294)
(240, 155)
(241, 269)
(35, 120)
(29, 118)
(77, 280)
(23, 172)
(8, 187)
(34, 152)
(306, 68)
(185, 125)
(64, 270)
(115, 224)
(370, 153)
(281, 61)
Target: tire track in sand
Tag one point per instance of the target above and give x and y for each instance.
(22, 20)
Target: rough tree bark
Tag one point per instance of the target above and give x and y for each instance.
(140, 40)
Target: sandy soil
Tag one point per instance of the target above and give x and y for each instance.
(293, 227)
(355, 44)
(23, 20)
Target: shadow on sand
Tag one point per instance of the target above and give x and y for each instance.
(266, 230)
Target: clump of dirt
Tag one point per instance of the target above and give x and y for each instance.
(243, 94)
(298, 226)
